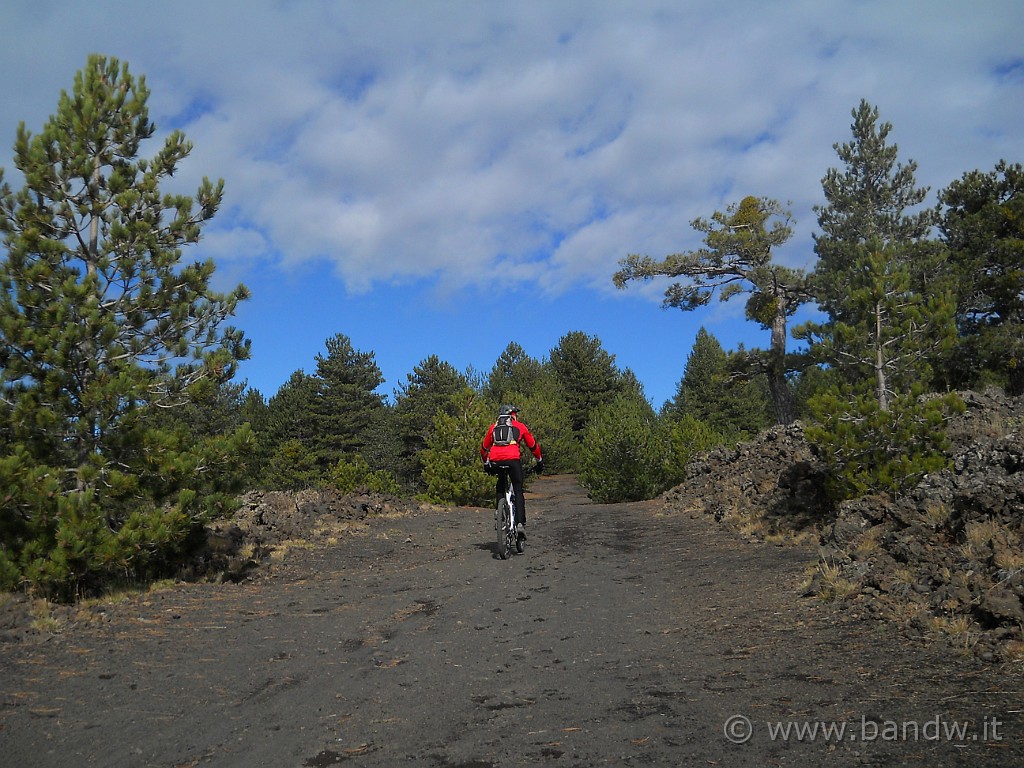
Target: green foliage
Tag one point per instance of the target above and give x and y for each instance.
(710, 391)
(103, 333)
(871, 450)
(346, 408)
(253, 411)
(869, 200)
(625, 452)
(210, 435)
(689, 437)
(382, 451)
(428, 391)
(353, 473)
(514, 371)
(705, 373)
(69, 544)
(10, 573)
(586, 376)
(289, 432)
(213, 467)
(291, 413)
(315, 421)
(811, 381)
(982, 224)
(452, 467)
(890, 333)
(291, 467)
(28, 515)
(890, 318)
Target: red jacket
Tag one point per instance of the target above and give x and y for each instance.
(488, 450)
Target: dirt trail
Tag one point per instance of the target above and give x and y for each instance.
(621, 637)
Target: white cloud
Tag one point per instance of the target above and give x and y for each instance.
(403, 140)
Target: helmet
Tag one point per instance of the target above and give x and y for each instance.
(507, 410)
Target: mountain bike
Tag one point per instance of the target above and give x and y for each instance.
(505, 518)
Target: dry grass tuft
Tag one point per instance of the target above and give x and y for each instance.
(903, 579)
(978, 537)
(281, 550)
(43, 618)
(868, 544)
(835, 586)
(936, 514)
(992, 424)
(960, 630)
(1013, 651)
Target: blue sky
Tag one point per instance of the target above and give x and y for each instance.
(447, 177)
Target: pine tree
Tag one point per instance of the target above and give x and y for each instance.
(350, 475)
(703, 377)
(291, 412)
(212, 415)
(890, 317)
(893, 333)
(101, 325)
(347, 408)
(875, 268)
(427, 392)
(291, 467)
(288, 434)
(737, 258)
(869, 199)
(452, 470)
(875, 428)
(688, 437)
(870, 450)
(546, 413)
(733, 407)
(586, 375)
(627, 454)
(513, 371)
(982, 224)
(254, 411)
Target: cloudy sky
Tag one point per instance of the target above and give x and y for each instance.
(443, 178)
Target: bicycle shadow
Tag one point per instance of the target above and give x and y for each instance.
(489, 546)
(492, 547)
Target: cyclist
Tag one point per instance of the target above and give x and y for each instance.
(500, 451)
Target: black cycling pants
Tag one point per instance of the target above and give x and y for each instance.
(514, 469)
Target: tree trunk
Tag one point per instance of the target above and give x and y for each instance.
(881, 385)
(782, 395)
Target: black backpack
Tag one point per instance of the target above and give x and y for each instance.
(504, 433)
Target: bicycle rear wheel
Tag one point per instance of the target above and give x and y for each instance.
(505, 533)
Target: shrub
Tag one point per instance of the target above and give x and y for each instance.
(291, 467)
(688, 437)
(624, 452)
(452, 470)
(351, 474)
(871, 450)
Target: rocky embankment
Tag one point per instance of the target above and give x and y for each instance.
(265, 527)
(946, 560)
(269, 523)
